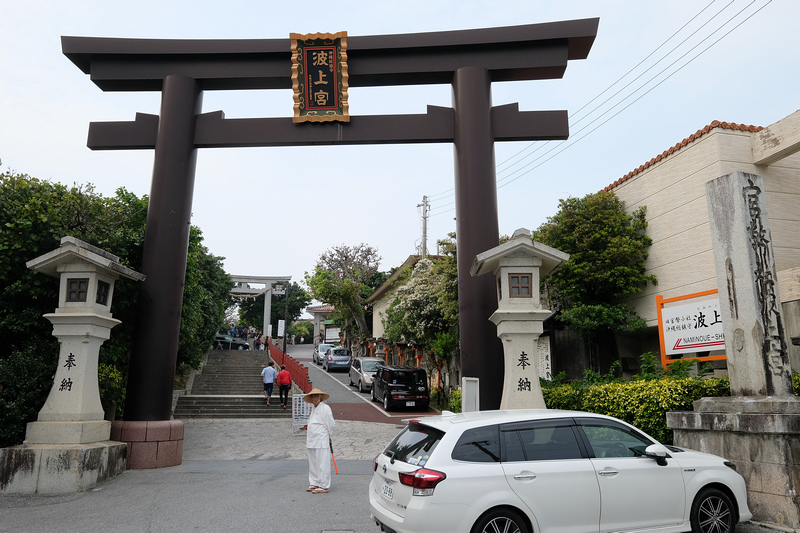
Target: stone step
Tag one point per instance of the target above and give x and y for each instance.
(221, 406)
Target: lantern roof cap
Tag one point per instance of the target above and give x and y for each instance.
(72, 249)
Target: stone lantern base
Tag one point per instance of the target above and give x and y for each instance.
(59, 468)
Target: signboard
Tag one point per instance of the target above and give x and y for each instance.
(281, 325)
(694, 327)
(690, 327)
(301, 411)
(332, 334)
(543, 357)
(319, 77)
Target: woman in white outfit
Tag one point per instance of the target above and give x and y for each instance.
(318, 442)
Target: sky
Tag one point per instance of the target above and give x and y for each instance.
(658, 72)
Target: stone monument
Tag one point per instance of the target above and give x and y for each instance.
(68, 447)
(757, 427)
(517, 266)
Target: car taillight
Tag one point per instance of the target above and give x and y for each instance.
(375, 463)
(423, 481)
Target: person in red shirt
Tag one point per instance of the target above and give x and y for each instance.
(284, 384)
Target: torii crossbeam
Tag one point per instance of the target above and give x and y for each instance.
(469, 60)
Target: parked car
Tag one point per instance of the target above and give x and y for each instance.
(319, 352)
(545, 471)
(401, 386)
(337, 357)
(223, 342)
(361, 371)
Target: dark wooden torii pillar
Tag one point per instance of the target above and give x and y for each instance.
(469, 60)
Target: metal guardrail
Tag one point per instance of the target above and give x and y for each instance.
(298, 371)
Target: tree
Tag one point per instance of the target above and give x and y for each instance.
(34, 216)
(608, 249)
(425, 309)
(342, 278)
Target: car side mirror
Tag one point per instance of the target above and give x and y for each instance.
(658, 452)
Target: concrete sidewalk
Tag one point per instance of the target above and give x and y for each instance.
(237, 475)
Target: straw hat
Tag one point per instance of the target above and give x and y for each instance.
(322, 395)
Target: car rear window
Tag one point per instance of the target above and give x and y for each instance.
(341, 352)
(411, 377)
(478, 445)
(414, 444)
(371, 366)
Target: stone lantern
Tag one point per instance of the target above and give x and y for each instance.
(517, 266)
(69, 442)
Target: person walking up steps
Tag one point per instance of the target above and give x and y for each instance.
(268, 375)
(284, 385)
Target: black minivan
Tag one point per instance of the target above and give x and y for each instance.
(401, 386)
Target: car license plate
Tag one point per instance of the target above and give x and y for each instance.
(410, 404)
(388, 491)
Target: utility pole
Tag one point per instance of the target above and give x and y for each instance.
(425, 206)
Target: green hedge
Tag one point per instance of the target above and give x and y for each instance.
(643, 403)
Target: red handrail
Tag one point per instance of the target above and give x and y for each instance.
(298, 371)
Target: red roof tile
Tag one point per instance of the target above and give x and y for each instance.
(672, 150)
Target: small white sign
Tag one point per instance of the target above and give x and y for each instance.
(543, 357)
(694, 327)
(301, 410)
(280, 328)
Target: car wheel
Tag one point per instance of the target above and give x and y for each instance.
(372, 394)
(350, 379)
(386, 404)
(712, 512)
(504, 520)
(360, 386)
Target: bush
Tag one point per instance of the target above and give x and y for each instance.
(643, 403)
(26, 378)
(112, 390)
(455, 401)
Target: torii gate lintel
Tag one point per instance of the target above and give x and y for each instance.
(213, 130)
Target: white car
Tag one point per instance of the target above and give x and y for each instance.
(319, 352)
(548, 471)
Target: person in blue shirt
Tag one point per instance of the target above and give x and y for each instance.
(269, 374)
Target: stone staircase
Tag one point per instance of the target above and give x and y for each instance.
(230, 387)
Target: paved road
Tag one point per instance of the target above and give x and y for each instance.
(345, 401)
(237, 475)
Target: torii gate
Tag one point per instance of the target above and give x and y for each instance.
(469, 60)
(267, 291)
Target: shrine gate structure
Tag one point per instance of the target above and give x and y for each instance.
(468, 60)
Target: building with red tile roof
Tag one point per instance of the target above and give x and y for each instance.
(672, 187)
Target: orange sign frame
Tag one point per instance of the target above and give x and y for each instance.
(660, 304)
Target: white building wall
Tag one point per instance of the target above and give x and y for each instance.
(673, 190)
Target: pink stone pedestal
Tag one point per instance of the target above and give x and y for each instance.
(151, 444)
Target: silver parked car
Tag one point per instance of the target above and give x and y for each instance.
(319, 352)
(337, 357)
(361, 371)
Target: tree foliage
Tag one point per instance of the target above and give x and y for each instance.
(34, 216)
(608, 248)
(425, 307)
(416, 314)
(343, 277)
